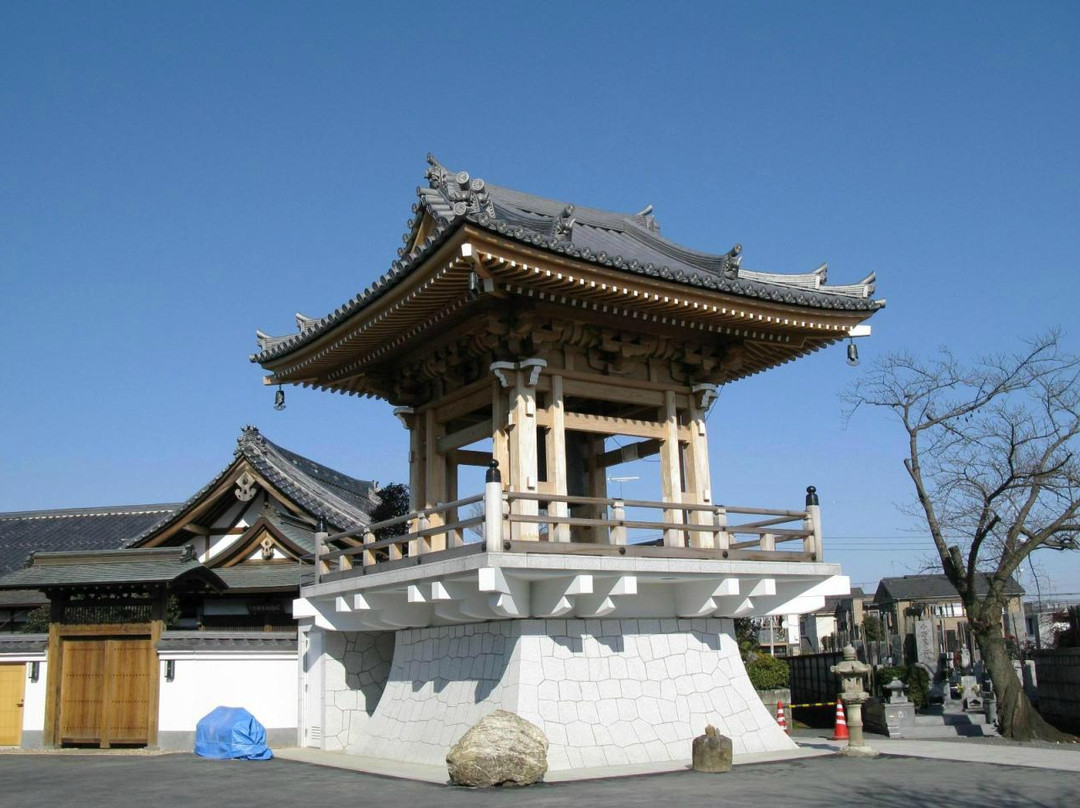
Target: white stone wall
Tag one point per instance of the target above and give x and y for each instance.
(355, 669)
(605, 692)
(443, 681)
(262, 683)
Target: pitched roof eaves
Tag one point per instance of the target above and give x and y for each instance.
(308, 492)
(108, 510)
(399, 270)
(775, 293)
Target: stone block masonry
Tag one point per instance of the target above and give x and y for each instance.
(355, 671)
(605, 692)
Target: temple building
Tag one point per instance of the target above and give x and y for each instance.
(526, 337)
(159, 613)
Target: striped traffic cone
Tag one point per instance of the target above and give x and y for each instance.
(781, 719)
(840, 732)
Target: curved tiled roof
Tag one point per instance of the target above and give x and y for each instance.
(74, 529)
(626, 242)
(343, 502)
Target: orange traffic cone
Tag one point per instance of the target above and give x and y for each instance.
(780, 718)
(840, 733)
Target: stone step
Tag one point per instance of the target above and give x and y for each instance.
(951, 720)
(947, 731)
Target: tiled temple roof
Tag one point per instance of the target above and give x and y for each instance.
(74, 529)
(344, 502)
(141, 566)
(627, 242)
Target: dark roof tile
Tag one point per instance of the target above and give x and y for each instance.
(629, 242)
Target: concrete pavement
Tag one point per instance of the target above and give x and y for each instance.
(181, 780)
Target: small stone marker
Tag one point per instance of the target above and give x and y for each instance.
(712, 752)
(500, 749)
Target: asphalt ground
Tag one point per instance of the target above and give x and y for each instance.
(165, 781)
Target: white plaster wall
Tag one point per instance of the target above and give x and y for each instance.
(264, 685)
(605, 692)
(34, 698)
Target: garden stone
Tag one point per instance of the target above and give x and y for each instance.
(500, 749)
(712, 752)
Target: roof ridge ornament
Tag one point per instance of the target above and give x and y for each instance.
(563, 228)
(465, 195)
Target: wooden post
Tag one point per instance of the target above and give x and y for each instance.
(596, 480)
(321, 567)
(813, 519)
(698, 484)
(721, 538)
(670, 475)
(500, 437)
(767, 542)
(524, 471)
(618, 515)
(556, 458)
(453, 537)
(435, 484)
(493, 506)
(368, 556)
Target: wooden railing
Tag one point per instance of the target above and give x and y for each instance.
(546, 523)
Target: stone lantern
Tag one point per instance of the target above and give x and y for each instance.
(851, 673)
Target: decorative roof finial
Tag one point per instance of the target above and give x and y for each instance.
(563, 228)
(464, 194)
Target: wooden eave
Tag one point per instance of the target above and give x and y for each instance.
(246, 544)
(437, 295)
(422, 301)
(517, 264)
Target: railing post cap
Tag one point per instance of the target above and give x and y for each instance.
(493, 474)
(811, 496)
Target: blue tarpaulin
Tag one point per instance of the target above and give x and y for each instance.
(231, 733)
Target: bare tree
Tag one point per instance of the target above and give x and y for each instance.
(991, 452)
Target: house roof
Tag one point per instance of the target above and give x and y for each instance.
(74, 529)
(344, 502)
(166, 565)
(23, 643)
(932, 587)
(629, 243)
(260, 577)
(227, 642)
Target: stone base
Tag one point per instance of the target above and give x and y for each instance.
(859, 752)
(605, 692)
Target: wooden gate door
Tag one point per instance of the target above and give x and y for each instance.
(105, 691)
(12, 682)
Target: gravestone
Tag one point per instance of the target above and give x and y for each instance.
(925, 647)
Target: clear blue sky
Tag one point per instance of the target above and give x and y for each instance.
(174, 176)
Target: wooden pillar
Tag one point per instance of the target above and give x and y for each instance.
(596, 481)
(556, 458)
(698, 487)
(435, 483)
(500, 437)
(670, 472)
(453, 537)
(417, 469)
(524, 477)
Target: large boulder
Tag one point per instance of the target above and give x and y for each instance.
(501, 749)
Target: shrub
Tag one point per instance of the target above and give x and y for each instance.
(768, 673)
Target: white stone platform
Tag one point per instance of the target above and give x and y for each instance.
(605, 692)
